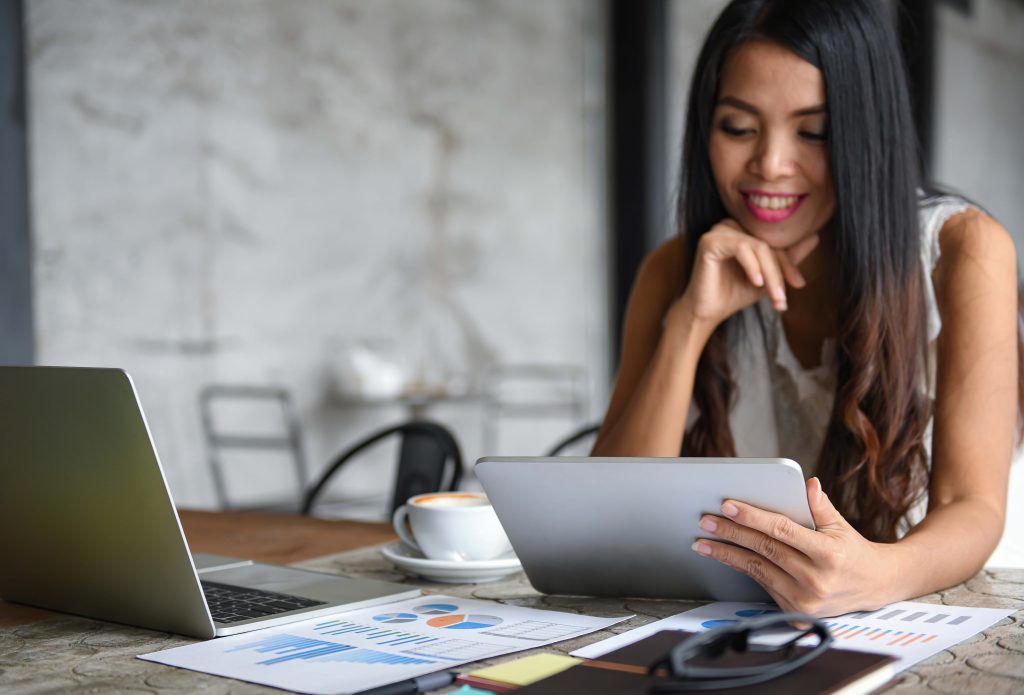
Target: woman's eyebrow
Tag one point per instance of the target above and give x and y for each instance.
(750, 108)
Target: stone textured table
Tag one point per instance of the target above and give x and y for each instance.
(67, 654)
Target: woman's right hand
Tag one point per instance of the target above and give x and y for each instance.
(733, 270)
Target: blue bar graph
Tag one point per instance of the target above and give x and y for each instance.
(383, 636)
(292, 647)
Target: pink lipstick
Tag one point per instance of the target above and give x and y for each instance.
(772, 207)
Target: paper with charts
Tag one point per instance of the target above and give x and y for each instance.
(357, 650)
(908, 630)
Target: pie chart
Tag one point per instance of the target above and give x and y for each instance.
(436, 609)
(464, 622)
(395, 617)
(745, 613)
(445, 617)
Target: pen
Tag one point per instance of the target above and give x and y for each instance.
(420, 684)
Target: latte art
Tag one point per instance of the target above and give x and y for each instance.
(454, 499)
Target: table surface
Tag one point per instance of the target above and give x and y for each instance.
(45, 652)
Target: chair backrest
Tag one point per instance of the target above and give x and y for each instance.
(429, 460)
(574, 439)
(287, 438)
(529, 392)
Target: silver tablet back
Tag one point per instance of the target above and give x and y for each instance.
(625, 526)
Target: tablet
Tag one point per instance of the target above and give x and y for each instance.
(624, 526)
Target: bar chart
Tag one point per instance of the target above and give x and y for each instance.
(890, 638)
(411, 643)
(912, 615)
(288, 647)
(382, 636)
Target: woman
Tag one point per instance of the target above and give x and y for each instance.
(816, 305)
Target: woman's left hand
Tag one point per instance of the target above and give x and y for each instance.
(828, 571)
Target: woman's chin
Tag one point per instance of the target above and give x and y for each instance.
(778, 236)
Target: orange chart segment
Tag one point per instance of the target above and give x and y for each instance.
(471, 621)
(445, 620)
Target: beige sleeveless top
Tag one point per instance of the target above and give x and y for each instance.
(782, 409)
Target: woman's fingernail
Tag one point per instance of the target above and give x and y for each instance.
(759, 280)
(708, 524)
(730, 509)
(702, 548)
(779, 294)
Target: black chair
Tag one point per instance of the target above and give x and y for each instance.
(427, 451)
(574, 438)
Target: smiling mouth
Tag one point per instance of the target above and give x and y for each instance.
(772, 207)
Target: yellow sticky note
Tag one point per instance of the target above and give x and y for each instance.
(529, 669)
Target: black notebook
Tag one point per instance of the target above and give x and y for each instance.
(624, 671)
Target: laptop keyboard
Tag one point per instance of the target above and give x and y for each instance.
(231, 604)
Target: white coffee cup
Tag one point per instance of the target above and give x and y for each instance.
(455, 526)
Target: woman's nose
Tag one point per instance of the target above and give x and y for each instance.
(774, 158)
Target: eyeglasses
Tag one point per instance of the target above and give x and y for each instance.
(737, 637)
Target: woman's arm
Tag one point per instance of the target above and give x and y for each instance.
(975, 407)
(647, 412)
(834, 569)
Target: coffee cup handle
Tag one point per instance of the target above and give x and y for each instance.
(398, 521)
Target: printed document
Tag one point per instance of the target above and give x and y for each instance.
(363, 649)
(908, 630)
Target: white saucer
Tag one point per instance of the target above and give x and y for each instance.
(450, 571)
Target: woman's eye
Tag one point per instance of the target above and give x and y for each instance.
(729, 129)
(812, 136)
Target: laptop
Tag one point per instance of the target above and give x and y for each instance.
(88, 525)
(624, 526)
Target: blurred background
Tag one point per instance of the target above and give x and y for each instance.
(365, 212)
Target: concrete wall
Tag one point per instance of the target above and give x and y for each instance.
(979, 104)
(241, 190)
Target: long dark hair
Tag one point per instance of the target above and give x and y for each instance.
(873, 462)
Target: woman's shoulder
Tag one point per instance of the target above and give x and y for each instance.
(973, 235)
(659, 281)
(668, 256)
(977, 253)
(662, 268)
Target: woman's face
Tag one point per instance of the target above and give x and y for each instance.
(767, 144)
